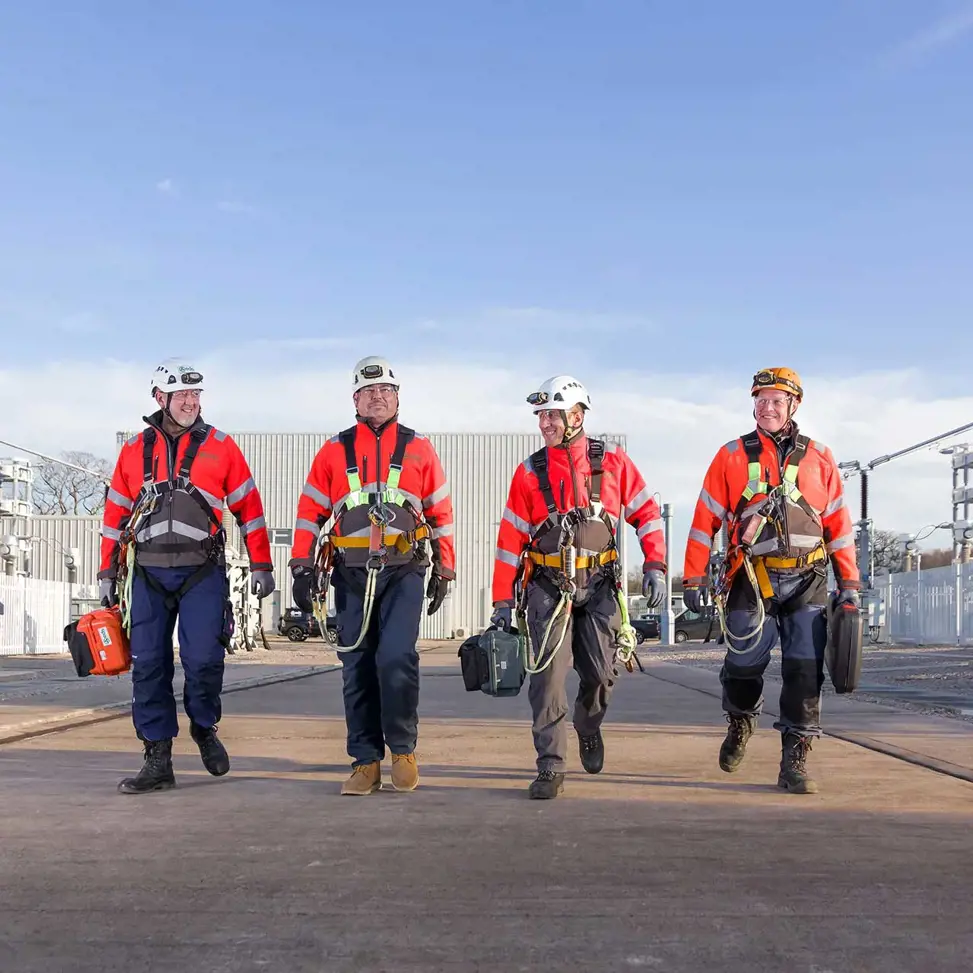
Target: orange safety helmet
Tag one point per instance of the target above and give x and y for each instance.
(785, 379)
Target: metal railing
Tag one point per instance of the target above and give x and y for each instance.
(926, 607)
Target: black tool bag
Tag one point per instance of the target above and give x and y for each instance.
(843, 653)
(493, 663)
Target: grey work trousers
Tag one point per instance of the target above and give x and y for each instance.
(590, 643)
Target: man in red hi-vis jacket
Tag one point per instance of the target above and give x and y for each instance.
(780, 495)
(385, 488)
(557, 538)
(163, 521)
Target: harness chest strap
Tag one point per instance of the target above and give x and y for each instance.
(196, 439)
(391, 494)
(538, 462)
(756, 486)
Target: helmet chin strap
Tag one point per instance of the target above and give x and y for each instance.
(569, 433)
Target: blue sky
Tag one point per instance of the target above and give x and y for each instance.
(715, 183)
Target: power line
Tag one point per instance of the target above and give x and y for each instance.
(54, 459)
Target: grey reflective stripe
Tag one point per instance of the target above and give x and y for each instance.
(610, 448)
(765, 547)
(650, 527)
(446, 531)
(833, 506)
(752, 509)
(846, 540)
(518, 522)
(435, 496)
(711, 504)
(162, 527)
(215, 502)
(240, 492)
(219, 435)
(637, 501)
(317, 496)
(302, 524)
(111, 533)
(804, 540)
(133, 440)
(528, 465)
(412, 498)
(732, 446)
(116, 498)
(507, 558)
(364, 532)
(695, 534)
(251, 525)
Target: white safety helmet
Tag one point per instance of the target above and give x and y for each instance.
(174, 375)
(560, 392)
(373, 371)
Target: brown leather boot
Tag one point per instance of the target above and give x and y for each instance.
(405, 771)
(364, 779)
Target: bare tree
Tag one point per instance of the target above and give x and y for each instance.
(937, 558)
(886, 551)
(59, 489)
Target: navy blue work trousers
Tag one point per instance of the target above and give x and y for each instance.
(380, 679)
(803, 635)
(201, 652)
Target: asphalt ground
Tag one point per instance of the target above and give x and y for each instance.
(661, 862)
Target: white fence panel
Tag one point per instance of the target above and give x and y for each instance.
(35, 614)
(928, 607)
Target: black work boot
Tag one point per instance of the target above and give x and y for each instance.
(592, 749)
(735, 742)
(156, 773)
(547, 785)
(215, 758)
(793, 764)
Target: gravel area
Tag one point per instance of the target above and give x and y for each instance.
(934, 679)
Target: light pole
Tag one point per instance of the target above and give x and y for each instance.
(668, 620)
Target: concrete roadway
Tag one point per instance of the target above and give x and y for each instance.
(660, 863)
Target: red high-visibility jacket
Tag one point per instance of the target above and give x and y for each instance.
(422, 483)
(623, 493)
(178, 531)
(819, 481)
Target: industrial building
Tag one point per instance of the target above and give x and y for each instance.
(478, 467)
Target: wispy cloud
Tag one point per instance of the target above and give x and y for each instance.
(674, 422)
(932, 38)
(167, 187)
(236, 206)
(81, 323)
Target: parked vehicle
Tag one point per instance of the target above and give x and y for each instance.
(298, 626)
(697, 625)
(647, 627)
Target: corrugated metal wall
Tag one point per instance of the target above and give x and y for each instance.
(478, 466)
(51, 536)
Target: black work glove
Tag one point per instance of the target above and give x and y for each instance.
(108, 592)
(654, 588)
(692, 598)
(261, 584)
(436, 591)
(301, 588)
(847, 596)
(502, 618)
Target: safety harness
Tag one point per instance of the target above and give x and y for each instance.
(378, 540)
(770, 510)
(566, 562)
(150, 497)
